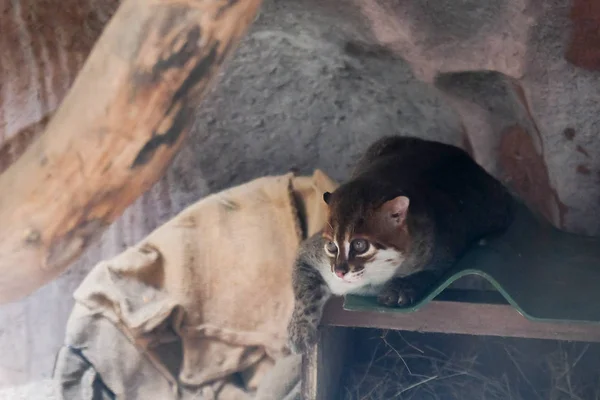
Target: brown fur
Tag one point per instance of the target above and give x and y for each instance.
(368, 223)
(420, 205)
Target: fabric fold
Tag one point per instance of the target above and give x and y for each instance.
(199, 308)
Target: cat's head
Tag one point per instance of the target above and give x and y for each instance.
(366, 234)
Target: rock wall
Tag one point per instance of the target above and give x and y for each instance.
(313, 84)
(524, 77)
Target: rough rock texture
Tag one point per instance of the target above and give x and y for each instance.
(313, 84)
(44, 44)
(584, 45)
(514, 64)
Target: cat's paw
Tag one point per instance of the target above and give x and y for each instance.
(398, 295)
(302, 335)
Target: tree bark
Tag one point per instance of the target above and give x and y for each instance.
(114, 134)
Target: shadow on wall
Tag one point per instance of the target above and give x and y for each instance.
(514, 152)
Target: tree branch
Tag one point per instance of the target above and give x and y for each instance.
(114, 134)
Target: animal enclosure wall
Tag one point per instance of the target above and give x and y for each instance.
(311, 86)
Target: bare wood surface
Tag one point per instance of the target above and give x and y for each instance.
(323, 367)
(122, 122)
(461, 318)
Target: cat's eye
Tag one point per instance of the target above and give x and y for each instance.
(359, 245)
(331, 247)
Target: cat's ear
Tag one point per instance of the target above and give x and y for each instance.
(395, 210)
(326, 197)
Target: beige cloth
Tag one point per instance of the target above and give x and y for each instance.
(202, 301)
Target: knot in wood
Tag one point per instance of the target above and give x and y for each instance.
(32, 236)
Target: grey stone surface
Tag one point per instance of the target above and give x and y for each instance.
(293, 97)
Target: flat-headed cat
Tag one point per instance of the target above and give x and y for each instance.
(409, 211)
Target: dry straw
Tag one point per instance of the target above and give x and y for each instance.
(497, 370)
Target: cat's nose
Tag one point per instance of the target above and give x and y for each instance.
(341, 269)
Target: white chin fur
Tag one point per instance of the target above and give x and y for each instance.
(348, 284)
(376, 273)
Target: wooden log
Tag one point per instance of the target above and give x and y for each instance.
(114, 134)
